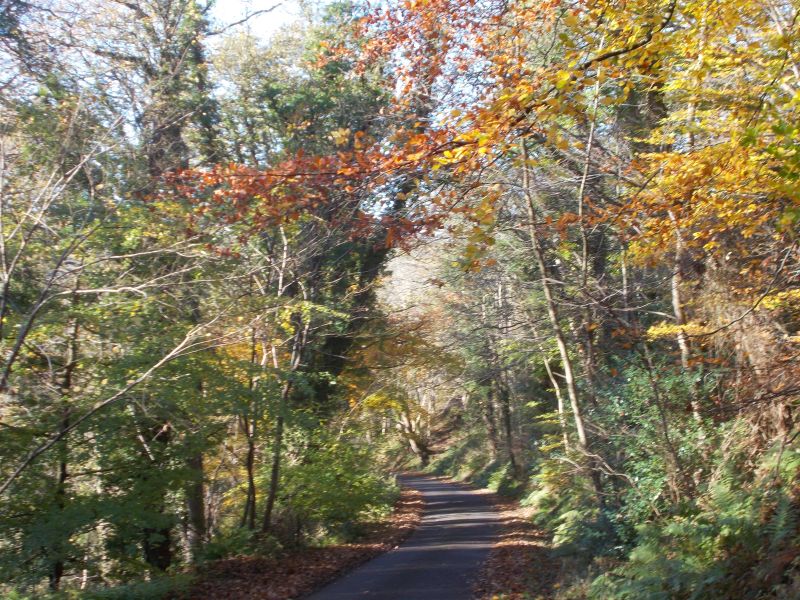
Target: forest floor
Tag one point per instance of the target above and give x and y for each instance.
(520, 565)
(299, 573)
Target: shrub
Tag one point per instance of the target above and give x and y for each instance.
(239, 541)
(334, 485)
(739, 544)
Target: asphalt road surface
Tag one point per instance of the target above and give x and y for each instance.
(441, 558)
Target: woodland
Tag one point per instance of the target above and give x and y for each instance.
(546, 246)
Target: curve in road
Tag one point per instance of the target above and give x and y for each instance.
(441, 558)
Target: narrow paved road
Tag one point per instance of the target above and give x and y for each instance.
(441, 558)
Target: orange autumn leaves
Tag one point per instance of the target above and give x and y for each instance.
(471, 79)
(330, 187)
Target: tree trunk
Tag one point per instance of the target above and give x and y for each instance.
(488, 418)
(562, 421)
(196, 506)
(680, 482)
(585, 334)
(277, 451)
(551, 375)
(417, 444)
(558, 334)
(552, 310)
(248, 426)
(157, 542)
(298, 344)
(157, 545)
(249, 516)
(680, 316)
(57, 562)
(70, 363)
(504, 396)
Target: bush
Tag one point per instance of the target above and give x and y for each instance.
(503, 481)
(239, 541)
(738, 545)
(334, 486)
(156, 589)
